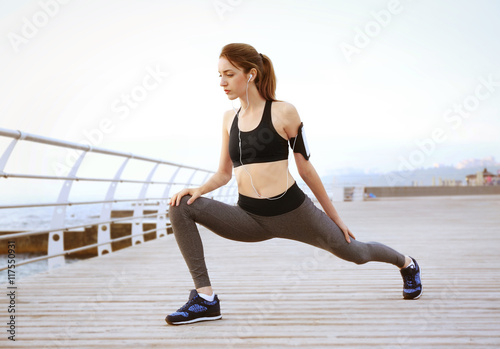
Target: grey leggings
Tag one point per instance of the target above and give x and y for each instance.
(307, 224)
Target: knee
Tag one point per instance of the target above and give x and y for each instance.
(358, 253)
(178, 211)
(364, 252)
(360, 260)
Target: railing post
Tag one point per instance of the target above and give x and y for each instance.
(166, 193)
(139, 210)
(161, 220)
(104, 230)
(191, 178)
(6, 154)
(56, 238)
(206, 177)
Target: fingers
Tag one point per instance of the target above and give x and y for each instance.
(193, 197)
(172, 200)
(346, 235)
(176, 198)
(179, 197)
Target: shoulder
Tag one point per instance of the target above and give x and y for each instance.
(285, 118)
(229, 114)
(286, 112)
(228, 118)
(284, 107)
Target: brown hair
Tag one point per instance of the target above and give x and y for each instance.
(246, 57)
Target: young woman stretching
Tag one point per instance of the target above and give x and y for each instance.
(255, 142)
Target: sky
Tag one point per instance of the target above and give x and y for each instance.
(380, 85)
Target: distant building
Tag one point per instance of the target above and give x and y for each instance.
(483, 178)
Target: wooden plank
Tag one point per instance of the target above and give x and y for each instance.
(280, 293)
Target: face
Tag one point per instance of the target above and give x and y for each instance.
(232, 79)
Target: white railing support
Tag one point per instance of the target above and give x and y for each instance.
(166, 193)
(56, 238)
(6, 155)
(190, 180)
(137, 227)
(104, 230)
(59, 224)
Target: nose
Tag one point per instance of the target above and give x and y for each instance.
(223, 82)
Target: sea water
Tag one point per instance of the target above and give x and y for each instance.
(40, 218)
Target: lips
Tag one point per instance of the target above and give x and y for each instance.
(226, 91)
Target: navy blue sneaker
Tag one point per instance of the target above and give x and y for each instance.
(196, 309)
(412, 287)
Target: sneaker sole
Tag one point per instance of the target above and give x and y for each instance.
(421, 292)
(196, 320)
(417, 297)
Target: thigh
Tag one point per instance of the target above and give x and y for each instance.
(228, 221)
(310, 225)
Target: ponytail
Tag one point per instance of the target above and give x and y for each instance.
(267, 83)
(246, 57)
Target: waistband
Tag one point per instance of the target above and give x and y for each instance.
(293, 198)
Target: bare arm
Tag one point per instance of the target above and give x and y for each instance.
(291, 122)
(218, 179)
(308, 173)
(224, 172)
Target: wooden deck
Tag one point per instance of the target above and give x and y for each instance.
(280, 294)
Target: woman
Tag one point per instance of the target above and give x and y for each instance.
(270, 205)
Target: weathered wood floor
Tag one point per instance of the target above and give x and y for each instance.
(280, 293)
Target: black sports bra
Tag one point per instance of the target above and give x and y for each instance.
(262, 144)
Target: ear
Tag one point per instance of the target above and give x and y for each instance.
(252, 71)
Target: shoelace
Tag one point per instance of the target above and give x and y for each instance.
(187, 305)
(409, 277)
(409, 280)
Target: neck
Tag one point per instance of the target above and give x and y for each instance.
(255, 100)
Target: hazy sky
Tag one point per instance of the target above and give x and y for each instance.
(378, 84)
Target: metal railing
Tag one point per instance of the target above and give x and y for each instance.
(58, 225)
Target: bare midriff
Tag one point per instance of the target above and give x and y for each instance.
(269, 179)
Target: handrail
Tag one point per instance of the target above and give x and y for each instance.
(83, 203)
(51, 204)
(68, 229)
(55, 251)
(79, 249)
(77, 179)
(19, 135)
